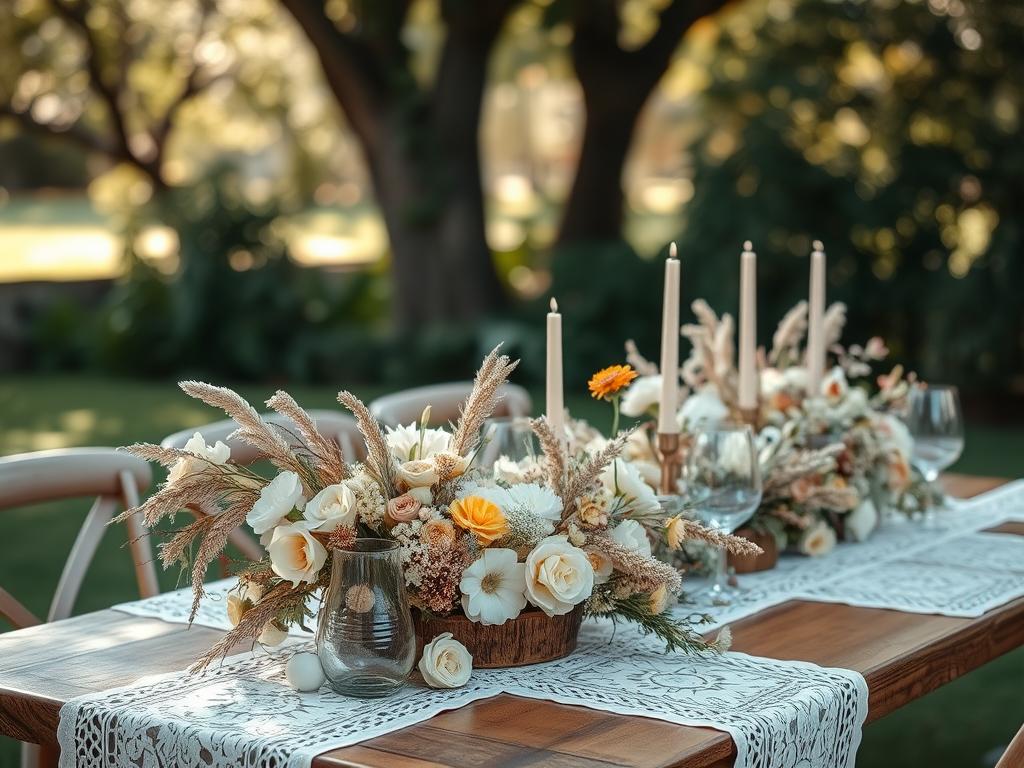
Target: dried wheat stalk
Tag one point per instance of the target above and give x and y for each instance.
(251, 428)
(581, 478)
(789, 333)
(378, 456)
(554, 457)
(330, 460)
(486, 394)
(834, 321)
(691, 530)
(646, 573)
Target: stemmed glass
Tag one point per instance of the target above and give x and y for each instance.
(934, 420)
(723, 483)
(511, 437)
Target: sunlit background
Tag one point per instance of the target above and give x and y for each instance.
(370, 194)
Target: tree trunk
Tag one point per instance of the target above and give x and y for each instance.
(594, 210)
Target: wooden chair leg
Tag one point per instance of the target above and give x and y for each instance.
(138, 540)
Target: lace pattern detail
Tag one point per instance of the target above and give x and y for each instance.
(780, 714)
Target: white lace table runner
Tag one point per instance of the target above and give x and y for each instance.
(780, 714)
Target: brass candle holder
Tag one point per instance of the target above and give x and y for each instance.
(670, 453)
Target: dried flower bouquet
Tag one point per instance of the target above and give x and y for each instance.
(561, 530)
(830, 463)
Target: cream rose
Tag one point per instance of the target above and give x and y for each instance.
(445, 662)
(817, 540)
(631, 535)
(419, 473)
(278, 498)
(601, 563)
(620, 478)
(642, 396)
(204, 456)
(334, 506)
(240, 599)
(559, 576)
(402, 509)
(295, 555)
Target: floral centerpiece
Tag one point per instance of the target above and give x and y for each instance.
(831, 462)
(560, 533)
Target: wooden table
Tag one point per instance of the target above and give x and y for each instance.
(902, 655)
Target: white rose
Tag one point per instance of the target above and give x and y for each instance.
(205, 455)
(559, 576)
(643, 395)
(620, 478)
(703, 408)
(418, 473)
(861, 521)
(795, 378)
(404, 442)
(279, 497)
(335, 505)
(817, 540)
(631, 535)
(445, 662)
(295, 555)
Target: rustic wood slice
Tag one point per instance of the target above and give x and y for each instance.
(754, 563)
(530, 638)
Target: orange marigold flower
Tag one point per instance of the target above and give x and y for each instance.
(610, 380)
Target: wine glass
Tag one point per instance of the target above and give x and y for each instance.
(934, 420)
(511, 437)
(723, 483)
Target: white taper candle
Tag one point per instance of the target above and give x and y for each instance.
(816, 322)
(747, 395)
(554, 404)
(670, 347)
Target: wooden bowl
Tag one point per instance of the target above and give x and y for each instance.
(754, 563)
(530, 638)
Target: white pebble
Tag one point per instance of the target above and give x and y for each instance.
(304, 672)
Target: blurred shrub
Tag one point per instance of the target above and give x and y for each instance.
(891, 131)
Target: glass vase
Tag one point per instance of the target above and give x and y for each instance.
(366, 641)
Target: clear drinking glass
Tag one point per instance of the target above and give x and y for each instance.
(366, 640)
(507, 436)
(724, 485)
(935, 422)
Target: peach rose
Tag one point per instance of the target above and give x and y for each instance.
(483, 518)
(402, 509)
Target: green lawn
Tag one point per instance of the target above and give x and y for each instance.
(956, 727)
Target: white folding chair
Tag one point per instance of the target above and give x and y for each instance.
(339, 427)
(444, 400)
(115, 480)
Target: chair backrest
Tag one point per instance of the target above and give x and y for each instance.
(340, 427)
(444, 401)
(114, 479)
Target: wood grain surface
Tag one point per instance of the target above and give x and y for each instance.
(903, 656)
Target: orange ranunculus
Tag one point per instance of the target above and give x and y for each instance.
(483, 518)
(610, 380)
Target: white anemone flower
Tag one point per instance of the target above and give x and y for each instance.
(404, 442)
(494, 587)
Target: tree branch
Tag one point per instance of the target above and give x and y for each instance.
(75, 16)
(74, 132)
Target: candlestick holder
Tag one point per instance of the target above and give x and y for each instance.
(749, 416)
(670, 453)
